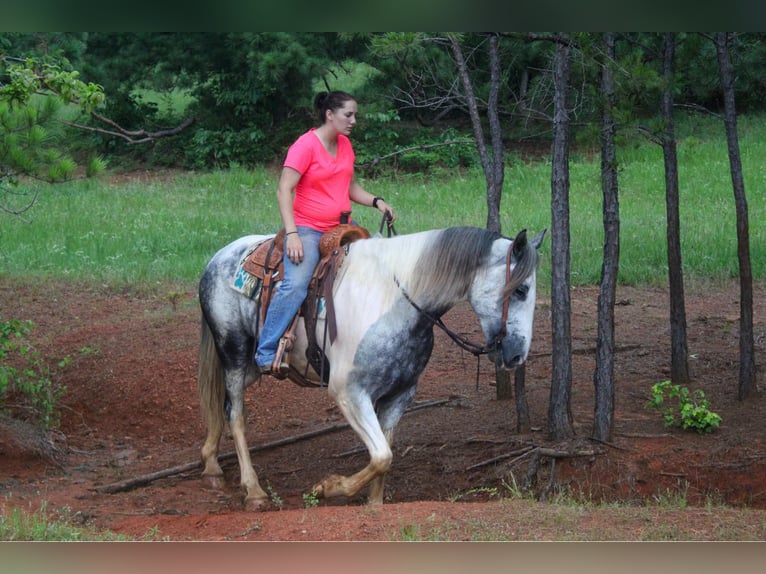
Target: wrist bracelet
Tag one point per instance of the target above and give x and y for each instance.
(376, 200)
(290, 233)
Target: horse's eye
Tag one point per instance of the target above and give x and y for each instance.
(521, 292)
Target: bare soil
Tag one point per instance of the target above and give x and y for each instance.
(131, 408)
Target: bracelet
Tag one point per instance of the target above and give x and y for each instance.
(290, 233)
(376, 200)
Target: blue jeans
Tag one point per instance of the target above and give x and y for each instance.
(289, 295)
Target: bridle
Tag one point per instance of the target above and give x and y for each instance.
(464, 343)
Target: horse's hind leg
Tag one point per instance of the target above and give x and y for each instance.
(212, 473)
(255, 497)
(236, 378)
(375, 493)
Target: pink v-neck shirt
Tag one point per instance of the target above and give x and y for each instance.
(322, 192)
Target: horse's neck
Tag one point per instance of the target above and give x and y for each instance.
(428, 282)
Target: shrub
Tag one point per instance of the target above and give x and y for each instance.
(691, 408)
(26, 388)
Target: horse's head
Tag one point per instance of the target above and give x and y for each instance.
(504, 298)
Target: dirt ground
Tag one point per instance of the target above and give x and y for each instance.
(131, 409)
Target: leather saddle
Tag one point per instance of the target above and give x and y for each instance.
(266, 264)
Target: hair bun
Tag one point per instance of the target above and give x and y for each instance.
(320, 99)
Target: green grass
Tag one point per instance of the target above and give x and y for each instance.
(570, 516)
(158, 231)
(45, 526)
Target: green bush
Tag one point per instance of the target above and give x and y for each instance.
(691, 408)
(26, 388)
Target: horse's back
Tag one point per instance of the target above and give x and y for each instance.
(215, 286)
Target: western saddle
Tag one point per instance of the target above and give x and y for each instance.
(266, 264)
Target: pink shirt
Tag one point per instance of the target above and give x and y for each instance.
(323, 190)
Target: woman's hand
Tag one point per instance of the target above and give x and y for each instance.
(383, 207)
(294, 248)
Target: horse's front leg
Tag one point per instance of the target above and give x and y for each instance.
(361, 416)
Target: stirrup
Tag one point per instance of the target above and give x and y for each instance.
(280, 366)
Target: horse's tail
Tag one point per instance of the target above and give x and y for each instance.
(210, 385)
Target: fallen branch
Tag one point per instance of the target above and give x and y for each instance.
(131, 483)
(538, 451)
(591, 350)
(522, 452)
(645, 435)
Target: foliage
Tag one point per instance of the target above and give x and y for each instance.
(251, 93)
(34, 95)
(44, 525)
(681, 407)
(310, 499)
(26, 387)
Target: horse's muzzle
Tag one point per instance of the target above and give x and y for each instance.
(514, 351)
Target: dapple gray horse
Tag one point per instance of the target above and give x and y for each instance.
(388, 294)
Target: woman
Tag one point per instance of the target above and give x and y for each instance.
(316, 185)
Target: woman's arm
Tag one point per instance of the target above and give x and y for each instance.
(288, 180)
(359, 195)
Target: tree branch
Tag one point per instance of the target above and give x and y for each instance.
(131, 136)
(377, 160)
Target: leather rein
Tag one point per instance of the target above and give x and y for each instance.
(475, 349)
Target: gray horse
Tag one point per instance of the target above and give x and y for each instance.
(388, 295)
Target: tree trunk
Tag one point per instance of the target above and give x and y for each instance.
(493, 164)
(679, 361)
(496, 136)
(559, 407)
(747, 374)
(522, 408)
(603, 377)
(487, 162)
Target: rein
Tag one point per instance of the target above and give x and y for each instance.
(462, 342)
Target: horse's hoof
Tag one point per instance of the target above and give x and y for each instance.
(256, 504)
(214, 481)
(331, 486)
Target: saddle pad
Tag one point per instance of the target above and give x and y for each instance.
(246, 283)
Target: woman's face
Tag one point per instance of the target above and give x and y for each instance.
(343, 119)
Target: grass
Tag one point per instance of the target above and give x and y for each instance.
(572, 517)
(144, 232)
(43, 525)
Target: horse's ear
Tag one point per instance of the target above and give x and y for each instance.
(520, 243)
(538, 240)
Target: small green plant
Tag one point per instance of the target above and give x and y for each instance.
(310, 499)
(26, 387)
(681, 407)
(175, 297)
(276, 500)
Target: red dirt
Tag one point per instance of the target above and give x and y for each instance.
(131, 408)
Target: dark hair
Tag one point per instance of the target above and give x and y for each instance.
(334, 100)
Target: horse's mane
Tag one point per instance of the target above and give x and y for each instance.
(436, 268)
(445, 268)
